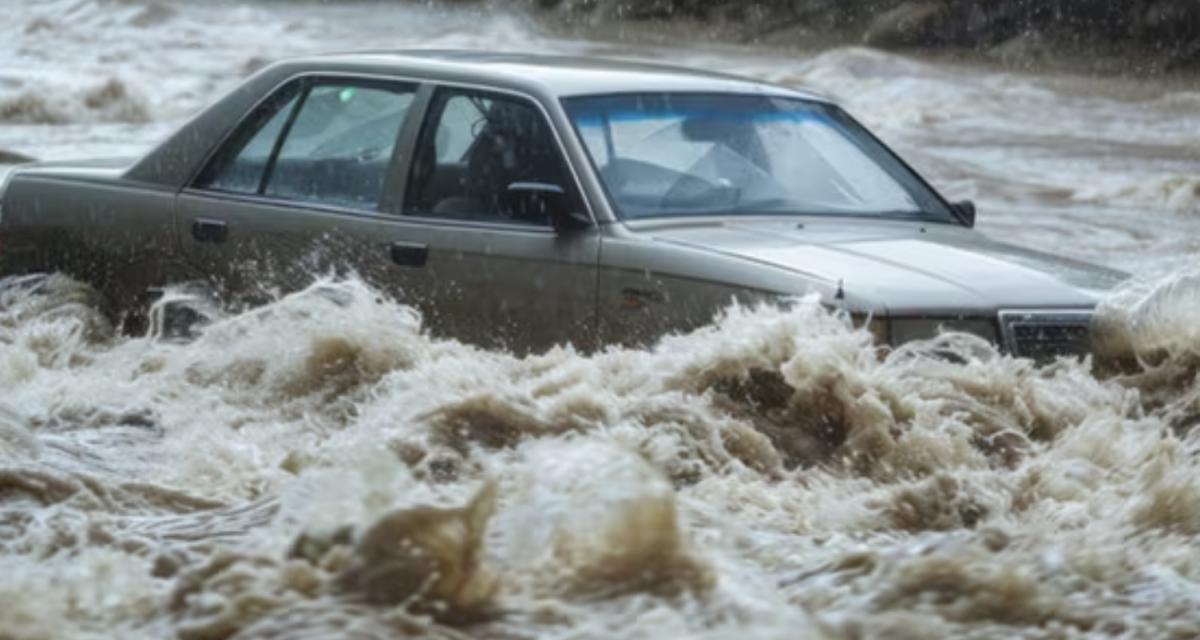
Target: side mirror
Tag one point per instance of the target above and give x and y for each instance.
(965, 211)
(553, 200)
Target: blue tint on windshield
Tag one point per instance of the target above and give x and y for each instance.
(678, 154)
(595, 119)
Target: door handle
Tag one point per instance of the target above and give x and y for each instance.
(208, 230)
(409, 254)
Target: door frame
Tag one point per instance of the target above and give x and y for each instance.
(391, 200)
(389, 209)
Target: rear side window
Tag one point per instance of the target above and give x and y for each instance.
(330, 143)
(240, 165)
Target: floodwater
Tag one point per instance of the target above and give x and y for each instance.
(320, 467)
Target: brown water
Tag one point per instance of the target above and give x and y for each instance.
(319, 467)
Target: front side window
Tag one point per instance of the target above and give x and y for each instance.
(329, 143)
(667, 154)
(473, 147)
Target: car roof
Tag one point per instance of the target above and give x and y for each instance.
(556, 75)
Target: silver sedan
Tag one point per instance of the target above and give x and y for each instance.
(525, 201)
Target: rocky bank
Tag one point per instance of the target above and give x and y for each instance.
(1127, 36)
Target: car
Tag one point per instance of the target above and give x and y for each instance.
(524, 201)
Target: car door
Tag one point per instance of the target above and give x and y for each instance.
(499, 273)
(296, 192)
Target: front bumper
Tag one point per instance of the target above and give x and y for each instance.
(1038, 334)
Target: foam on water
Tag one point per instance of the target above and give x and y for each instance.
(330, 464)
(321, 466)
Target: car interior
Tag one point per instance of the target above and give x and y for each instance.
(336, 151)
(471, 149)
(505, 142)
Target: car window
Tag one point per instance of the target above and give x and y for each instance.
(684, 154)
(330, 144)
(458, 127)
(338, 149)
(239, 167)
(472, 148)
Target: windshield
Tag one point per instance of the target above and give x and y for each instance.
(671, 154)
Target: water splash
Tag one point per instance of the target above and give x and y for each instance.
(771, 475)
(323, 466)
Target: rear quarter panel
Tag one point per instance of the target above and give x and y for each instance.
(117, 236)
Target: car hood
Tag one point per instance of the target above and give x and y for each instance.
(907, 268)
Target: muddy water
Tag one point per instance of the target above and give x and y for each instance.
(319, 467)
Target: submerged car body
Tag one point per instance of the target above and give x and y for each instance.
(526, 201)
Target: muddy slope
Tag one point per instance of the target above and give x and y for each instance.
(1139, 35)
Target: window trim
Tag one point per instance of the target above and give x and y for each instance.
(953, 219)
(402, 153)
(277, 145)
(306, 82)
(422, 132)
(226, 138)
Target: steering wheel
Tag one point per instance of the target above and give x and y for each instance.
(691, 190)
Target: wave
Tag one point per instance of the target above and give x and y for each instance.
(1180, 193)
(110, 101)
(323, 466)
(322, 460)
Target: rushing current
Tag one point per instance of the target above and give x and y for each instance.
(322, 467)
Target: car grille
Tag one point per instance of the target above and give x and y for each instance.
(1044, 335)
